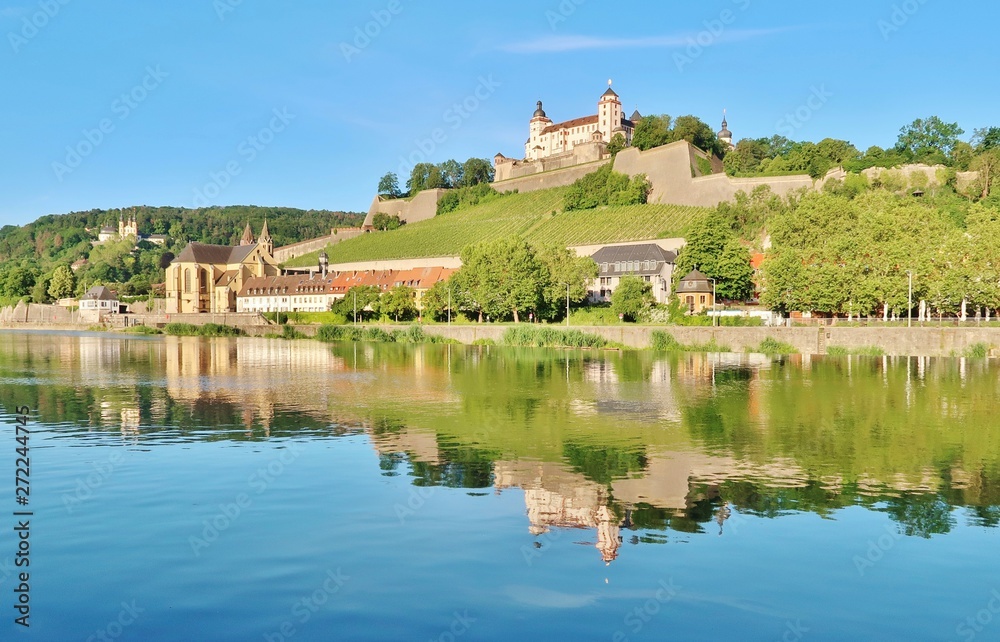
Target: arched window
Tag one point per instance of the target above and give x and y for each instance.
(187, 280)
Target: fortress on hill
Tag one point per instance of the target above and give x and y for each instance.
(558, 154)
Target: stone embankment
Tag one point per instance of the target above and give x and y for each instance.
(916, 342)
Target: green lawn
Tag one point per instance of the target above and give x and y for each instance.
(536, 216)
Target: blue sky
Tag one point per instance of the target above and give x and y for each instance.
(109, 103)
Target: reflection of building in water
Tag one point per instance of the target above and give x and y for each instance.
(255, 375)
(558, 498)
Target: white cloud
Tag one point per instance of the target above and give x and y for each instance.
(560, 43)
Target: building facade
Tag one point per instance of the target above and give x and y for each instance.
(316, 292)
(649, 262)
(97, 303)
(546, 139)
(207, 278)
(696, 292)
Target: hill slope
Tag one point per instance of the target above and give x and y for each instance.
(536, 216)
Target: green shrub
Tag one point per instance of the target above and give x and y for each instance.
(606, 187)
(207, 330)
(978, 351)
(770, 345)
(484, 342)
(181, 329)
(594, 316)
(413, 334)
(143, 329)
(665, 342)
(547, 337)
(866, 351)
(289, 332)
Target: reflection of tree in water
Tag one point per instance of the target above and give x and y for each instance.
(603, 464)
(920, 515)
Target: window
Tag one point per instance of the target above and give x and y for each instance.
(604, 267)
(187, 280)
(702, 299)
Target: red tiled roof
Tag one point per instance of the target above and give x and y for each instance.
(756, 260)
(569, 124)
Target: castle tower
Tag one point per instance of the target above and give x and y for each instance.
(247, 238)
(725, 135)
(265, 240)
(609, 114)
(534, 148)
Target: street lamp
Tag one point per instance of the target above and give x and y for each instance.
(909, 301)
(567, 305)
(714, 313)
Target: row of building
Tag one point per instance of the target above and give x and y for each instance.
(246, 278)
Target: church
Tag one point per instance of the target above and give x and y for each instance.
(207, 278)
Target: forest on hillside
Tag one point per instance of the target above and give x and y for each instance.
(32, 256)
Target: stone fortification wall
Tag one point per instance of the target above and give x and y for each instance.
(911, 176)
(421, 207)
(548, 180)
(36, 314)
(288, 252)
(669, 169)
(581, 154)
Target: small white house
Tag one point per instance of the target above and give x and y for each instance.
(98, 302)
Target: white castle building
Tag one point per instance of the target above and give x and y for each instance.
(551, 139)
(552, 146)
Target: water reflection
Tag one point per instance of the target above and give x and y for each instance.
(626, 447)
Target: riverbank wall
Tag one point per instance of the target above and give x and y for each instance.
(926, 341)
(915, 342)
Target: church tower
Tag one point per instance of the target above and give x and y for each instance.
(609, 114)
(247, 238)
(534, 148)
(726, 136)
(265, 240)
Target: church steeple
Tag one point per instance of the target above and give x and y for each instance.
(247, 235)
(725, 135)
(265, 240)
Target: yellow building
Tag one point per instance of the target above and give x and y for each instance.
(207, 278)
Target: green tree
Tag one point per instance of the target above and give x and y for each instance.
(987, 165)
(502, 278)
(361, 298)
(617, 144)
(476, 171)
(425, 176)
(17, 281)
(63, 283)
(434, 303)
(385, 222)
(388, 186)
(399, 303)
(40, 291)
(734, 275)
(928, 139)
(632, 297)
(652, 131)
(986, 139)
(563, 267)
(451, 174)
